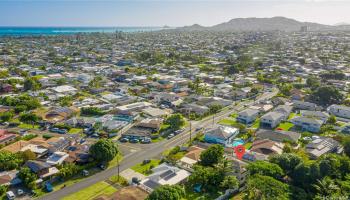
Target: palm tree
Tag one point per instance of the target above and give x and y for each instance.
(326, 187)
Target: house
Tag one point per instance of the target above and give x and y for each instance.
(278, 136)
(59, 114)
(339, 111)
(267, 147)
(271, 119)
(210, 101)
(42, 169)
(57, 158)
(315, 114)
(322, 145)
(285, 110)
(308, 124)
(9, 178)
(247, 116)
(304, 105)
(6, 137)
(195, 109)
(263, 108)
(64, 89)
(164, 174)
(155, 112)
(129, 109)
(153, 123)
(223, 135)
(191, 157)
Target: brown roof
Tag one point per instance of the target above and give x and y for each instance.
(15, 147)
(5, 179)
(266, 146)
(194, 153)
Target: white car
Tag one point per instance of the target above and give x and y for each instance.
(170, 136)
(20, 192)
(10, 195)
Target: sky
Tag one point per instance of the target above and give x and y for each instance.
(173, 13)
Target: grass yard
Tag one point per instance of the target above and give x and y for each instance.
(98, 189)
(146, 169)
(191, 195)
(75, 131)
(285, 126)
(28, 126)
(114, 162)
(228, 121)
(256, 124)
(248, 145)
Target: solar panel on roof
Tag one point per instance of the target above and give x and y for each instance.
(151, 184)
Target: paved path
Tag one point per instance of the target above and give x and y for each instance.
(152, 151)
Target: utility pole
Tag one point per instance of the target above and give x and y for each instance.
(190, 131)
(118, 167)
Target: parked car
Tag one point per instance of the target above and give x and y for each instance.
(170, 136)
(10, 195)
(135, 180)
(85, 173)
(48, 187)
(20, 192)
(23, 131)
(102, 166)
(146, 161)
(146, 140)
(123, 139)
(134, 141)
(198, 128)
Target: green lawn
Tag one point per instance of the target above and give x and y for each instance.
(285, 126)
(93, 191)
(228, 121)
(248, 145)
(291, 116)
(256, 124)
(75, 131)
(28, 126)
(114, 162)
(146, 169)
(191, 195)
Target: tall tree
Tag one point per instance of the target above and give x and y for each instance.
(264, 188)
(212, 156)
(104, 150)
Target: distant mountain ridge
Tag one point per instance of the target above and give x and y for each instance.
(265, 24)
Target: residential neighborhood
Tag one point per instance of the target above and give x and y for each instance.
(136, 115)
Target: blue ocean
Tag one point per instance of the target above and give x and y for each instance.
(23, 31)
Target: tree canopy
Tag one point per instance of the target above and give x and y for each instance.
(104, 150)
(327, 95)
(261, 187)
(167, 192)
(212, 156)
(266, 169)
(175, 121)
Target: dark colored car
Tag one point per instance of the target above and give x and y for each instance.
(124, 140)
(134, 141)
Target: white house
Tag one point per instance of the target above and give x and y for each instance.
(271, 119)
(339, 111)
(247, 116)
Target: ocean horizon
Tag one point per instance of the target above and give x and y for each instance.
(27, 31)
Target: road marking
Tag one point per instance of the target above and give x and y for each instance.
(131, 147)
